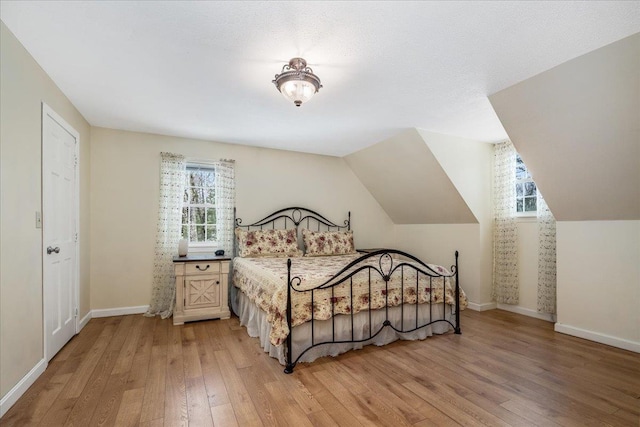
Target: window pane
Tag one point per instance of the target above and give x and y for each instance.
(186, 195)
(210, 178)
(529, 189)
(198, 178)
(185, 232)
(211, 233)
(197, 196)
(211, 196)
(519, 190)
(196, 233)
(518, 205)
(201, 233)
(211, 216)
(193, 235)
(530, 204)
(185, 215)
(198, 215)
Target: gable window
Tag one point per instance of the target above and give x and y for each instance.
(199, 207)
(526, 191)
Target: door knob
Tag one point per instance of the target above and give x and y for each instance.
(50, 249)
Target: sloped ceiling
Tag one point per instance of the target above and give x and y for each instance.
(577, 127)
(406, 179)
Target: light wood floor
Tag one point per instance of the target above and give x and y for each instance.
(505, 369)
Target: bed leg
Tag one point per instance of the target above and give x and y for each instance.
(457, 296)
(289, 368)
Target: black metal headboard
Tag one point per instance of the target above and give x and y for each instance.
(293, 217)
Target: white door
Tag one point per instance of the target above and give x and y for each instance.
(59, 233)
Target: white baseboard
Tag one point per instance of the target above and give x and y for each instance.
(598, 337)
(83, 322)
(482, 307)
(527, 312)
(120, 311)
(9, 399)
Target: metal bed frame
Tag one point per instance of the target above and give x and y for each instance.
(385, 269)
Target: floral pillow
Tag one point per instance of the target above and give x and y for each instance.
(320, 243)
(255, 243)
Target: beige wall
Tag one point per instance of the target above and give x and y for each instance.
(125, 186)
(437, 243)
(599, 280)
(23, 86)
(469, 166)
(528, 264)
(577, 128)
(406, 179)
(437, 189)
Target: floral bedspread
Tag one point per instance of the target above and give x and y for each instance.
(264, 281)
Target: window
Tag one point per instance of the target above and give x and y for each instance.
(526, 191)
(199, 208)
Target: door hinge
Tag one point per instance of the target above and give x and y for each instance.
(75, 160)
(76, 312)
(76, 237)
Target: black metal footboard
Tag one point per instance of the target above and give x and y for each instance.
(403, 266)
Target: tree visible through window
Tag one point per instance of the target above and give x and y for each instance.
(526, 191)
(199, 209)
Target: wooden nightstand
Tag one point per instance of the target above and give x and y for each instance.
(201, 288)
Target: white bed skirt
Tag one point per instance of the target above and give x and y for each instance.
(255, 320)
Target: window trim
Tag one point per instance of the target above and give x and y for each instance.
(525, 214)
(201, 247)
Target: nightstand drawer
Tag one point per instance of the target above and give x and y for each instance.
(204, 267)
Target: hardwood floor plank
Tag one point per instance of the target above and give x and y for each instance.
(198, 407)
(287, 408)
(32, 406)
(141, 359)
(89, 362)
(505, 369)
(453, 406)
(359, 409)
(223, 416)
(175, 403)
(130, 408)
(109, 404)
(155, 387)
(255, 385)
(153, 423)
(240, 399)
(128, 349)
(383, 386)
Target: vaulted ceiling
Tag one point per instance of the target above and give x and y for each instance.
(204, 69)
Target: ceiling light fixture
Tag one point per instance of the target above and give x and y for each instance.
(297, 82)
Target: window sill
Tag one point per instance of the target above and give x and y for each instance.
(202, 249)
(526, 218)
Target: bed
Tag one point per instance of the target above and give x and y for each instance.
(332, 299)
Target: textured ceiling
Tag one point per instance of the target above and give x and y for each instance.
(204, 69)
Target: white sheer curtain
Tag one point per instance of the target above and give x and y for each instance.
(546, 258)
(505, 287)
(172, 184)
(225, 187)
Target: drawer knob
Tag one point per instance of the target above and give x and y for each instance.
(217, 282)
(203, 269)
